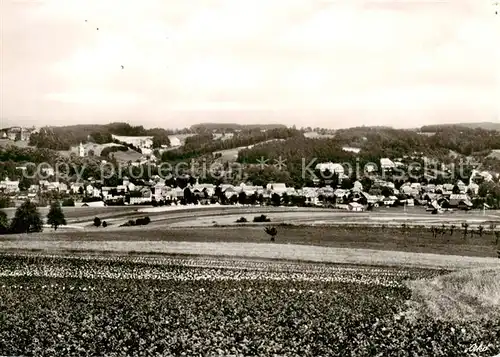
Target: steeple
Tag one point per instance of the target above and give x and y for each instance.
(81, 150)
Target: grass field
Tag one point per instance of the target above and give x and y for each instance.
(340, 230)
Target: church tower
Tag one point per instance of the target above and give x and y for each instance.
(81, 150)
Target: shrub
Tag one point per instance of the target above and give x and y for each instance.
(97, 222)
(69, 202)
(142, 221)
(261, 218)
(241, 220)
(272, 231)
(104, 224)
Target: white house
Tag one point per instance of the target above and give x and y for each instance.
(355, 207)
(357, 186)
(141, 142)
(387, 164)
(9, 186)
(278, 188)
(174, 141)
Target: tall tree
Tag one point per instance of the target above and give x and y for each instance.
(242, 198)
(4, 223)
(27, 219)
(275, 199)
(55, 217)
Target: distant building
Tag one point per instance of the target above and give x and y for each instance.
(9, 186)
(356, 207)
(278, 188)
(17, 133)
(81, 150)
(142, 142)
(174, 141)
(387, 164)
(351, 149)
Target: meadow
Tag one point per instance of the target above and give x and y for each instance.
(411, 240)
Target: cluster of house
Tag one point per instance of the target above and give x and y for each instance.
(17, 133)
(356, 199)
(144, 143)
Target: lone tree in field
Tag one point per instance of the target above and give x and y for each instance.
(97, 222)
(55, 217)
(272, 231)
(27, 219)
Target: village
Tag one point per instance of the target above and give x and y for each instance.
(157, 192)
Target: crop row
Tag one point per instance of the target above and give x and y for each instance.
(180, 269)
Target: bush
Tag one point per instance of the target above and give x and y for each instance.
(69, 202)
(142, 221)
(97, 222)
(261, 218)
(138, 222)
(241, 220)
(104, 224)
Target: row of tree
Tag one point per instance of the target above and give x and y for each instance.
(27, 219)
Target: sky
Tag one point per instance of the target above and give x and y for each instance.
(326, 63)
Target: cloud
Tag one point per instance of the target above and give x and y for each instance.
(298, 56)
